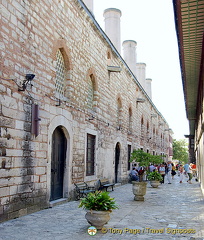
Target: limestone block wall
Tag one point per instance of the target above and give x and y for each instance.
(31, 33)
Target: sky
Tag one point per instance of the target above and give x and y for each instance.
(151, 24)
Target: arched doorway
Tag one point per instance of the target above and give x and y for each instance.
(117, 158)
(59, 149)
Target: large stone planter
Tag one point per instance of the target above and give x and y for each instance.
(139, 190)
(97, 218)
(155, 184)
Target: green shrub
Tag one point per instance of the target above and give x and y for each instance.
(98, 201)
(154, 176)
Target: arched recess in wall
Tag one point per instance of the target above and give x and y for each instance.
(92, 91)
(157, 138)
(130, 120)
(142, 128)
(63, 66)
(148, 131)
(154, 135)
(162, 140)
(119, 113)
(109, 57)
(65, 126)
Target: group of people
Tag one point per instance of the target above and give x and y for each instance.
(166, 169)
(189, 170)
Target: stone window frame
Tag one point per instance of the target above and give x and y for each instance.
(119, 113)
(60, 45)
(60, 74)
(91, 75)
(142, 128)
(148, 131)
(130, 120)
(109, 57)
(90, 154)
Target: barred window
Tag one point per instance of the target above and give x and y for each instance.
(60, 73)
(90, 154)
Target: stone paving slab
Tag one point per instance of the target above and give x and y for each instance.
(166, 211)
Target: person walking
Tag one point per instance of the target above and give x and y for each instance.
(169, 169)
(173, 172)
(181, 170)
(162, 171)
(190, 174)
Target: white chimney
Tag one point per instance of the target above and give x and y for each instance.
(129, 54)
(89, 4)
(141, 73)
(148, 87)
(112, 26)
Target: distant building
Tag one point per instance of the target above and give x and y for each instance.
(189, 21)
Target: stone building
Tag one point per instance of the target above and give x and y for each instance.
(71, 109)
(190, 34)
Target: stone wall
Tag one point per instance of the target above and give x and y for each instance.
(31, 33)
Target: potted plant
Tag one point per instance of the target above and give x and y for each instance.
(144, 159)
(155, 178)
(98, 206)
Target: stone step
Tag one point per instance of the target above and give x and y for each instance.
(58, 202)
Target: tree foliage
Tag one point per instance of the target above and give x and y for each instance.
(180, 150)
(144, 158)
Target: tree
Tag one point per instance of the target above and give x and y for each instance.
(144, 158)
(180, 150)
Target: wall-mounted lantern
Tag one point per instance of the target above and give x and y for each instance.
(28, 79)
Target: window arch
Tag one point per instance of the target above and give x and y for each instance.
(92, 91)
(109, 57)
(119, 112)
(142, 128)
(60, 73)
(130, 120)
(90, 99)
(154, 133)
(148, 131)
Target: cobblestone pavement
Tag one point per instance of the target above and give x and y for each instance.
(169, 207)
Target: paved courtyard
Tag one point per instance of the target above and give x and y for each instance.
(168, 212)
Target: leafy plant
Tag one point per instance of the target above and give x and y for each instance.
(144, 158)
(154, 176)
(98, 201)
(180, 150)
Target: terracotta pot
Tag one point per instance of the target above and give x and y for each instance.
(97, 218)
(139, 190)
(155, 184)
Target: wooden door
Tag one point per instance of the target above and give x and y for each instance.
(117, 158)
(59, 148)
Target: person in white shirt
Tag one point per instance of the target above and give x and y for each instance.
(190, 174)
(181, 169)
(152, 168)
(162, 172)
